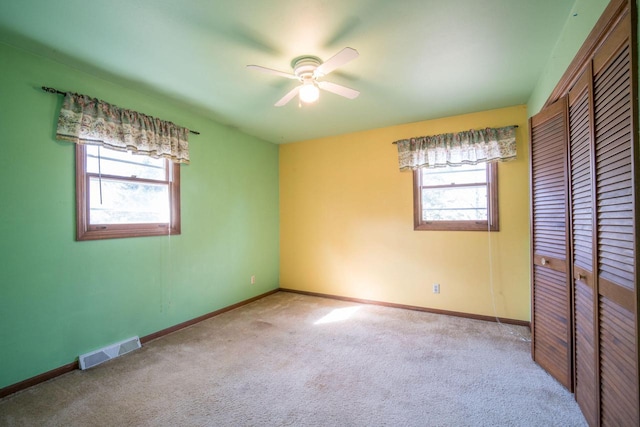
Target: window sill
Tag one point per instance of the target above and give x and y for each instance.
(117, 232)
(456, 226)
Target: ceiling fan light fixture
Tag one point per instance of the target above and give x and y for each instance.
(307, 70)
(309, 93)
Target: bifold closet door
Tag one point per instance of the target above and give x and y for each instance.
(615, 175)
(551, 309)
(581, 167)
(600, 345)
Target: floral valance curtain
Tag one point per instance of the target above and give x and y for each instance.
(85, 120)
(462, 148)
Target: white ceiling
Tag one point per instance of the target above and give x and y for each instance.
(419, 59)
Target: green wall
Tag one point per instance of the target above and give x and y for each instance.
(60, 298)
(580, 22)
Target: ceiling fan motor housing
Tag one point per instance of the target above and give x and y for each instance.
(304, 66)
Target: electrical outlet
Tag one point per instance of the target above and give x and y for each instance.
(253, 280)
(436, 288)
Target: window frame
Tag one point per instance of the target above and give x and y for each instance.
(491, 224)
(86, 231)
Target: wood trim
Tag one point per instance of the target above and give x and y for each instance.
(147, 338)
(46, 376)
(583, 83)
(84, 231)
(584, 276)
(491, 224)
(595, 334)
(612, 44)
(174, 195)
(493, 191)
(412, 307)
(609, 18)
(531, 270)
(636, 181)
(547, 114)
(82, 214)
(568, 259)
(622, 296)
(550, 262)
(455, 226)
(417, 182)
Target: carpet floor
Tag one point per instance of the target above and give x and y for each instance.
(295, 360)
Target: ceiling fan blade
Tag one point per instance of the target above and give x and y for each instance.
(275, 72)
(339, 89)
(345, 55)
(288, 97)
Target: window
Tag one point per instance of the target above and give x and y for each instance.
(456, 198)
(119, 194)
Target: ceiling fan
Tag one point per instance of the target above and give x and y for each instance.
(309, 70)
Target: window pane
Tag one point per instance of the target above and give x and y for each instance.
(128, 202)
(124, 163)
(467, 174)
(455, 204)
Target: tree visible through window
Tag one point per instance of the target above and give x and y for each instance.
(120, 194)
(456, 198)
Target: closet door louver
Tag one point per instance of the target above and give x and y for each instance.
(615, 200)
(582, 246)
(551, 330)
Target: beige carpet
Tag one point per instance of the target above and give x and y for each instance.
(293, 360)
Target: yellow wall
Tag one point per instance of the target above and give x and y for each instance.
(346, 224)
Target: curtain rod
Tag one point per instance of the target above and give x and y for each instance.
(395, 142)
(52, 90)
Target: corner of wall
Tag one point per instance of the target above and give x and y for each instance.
(581, 19)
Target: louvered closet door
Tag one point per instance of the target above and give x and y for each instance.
(582, 246)
(616, 258)
(551, 330)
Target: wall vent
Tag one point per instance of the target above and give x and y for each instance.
(89, 360)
